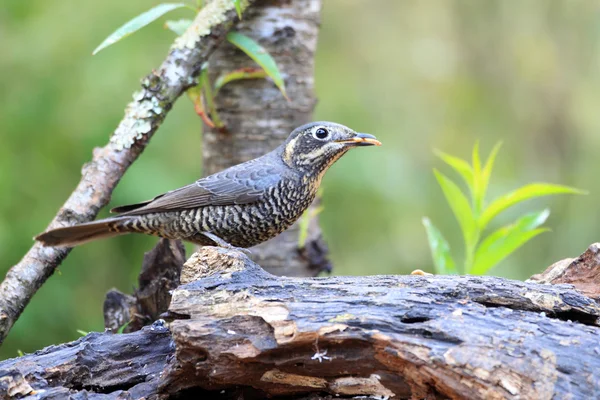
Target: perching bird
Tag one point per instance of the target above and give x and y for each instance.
(241, 206)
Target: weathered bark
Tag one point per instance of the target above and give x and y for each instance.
(161, 270)
(142, 118)
(239, 330)
(91, 366)
(582, 272)
(258, 118)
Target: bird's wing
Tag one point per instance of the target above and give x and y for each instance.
(241, 184)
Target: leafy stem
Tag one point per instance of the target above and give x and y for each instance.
(473, 216)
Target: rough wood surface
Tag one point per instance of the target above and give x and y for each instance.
(582, 272)
(258, 118)
(160, 274)
(142, 118)
(419, 336)
(239, 332)
(124, 366)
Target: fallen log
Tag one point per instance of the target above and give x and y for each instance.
(235, 330)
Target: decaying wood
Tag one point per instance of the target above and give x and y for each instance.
(582, 272)
(160, 274)
(419, 336)
(142, 118)
(125, 366)
(238, 331)
(258, 118)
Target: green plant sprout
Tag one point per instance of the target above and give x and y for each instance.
(203, 93)
(309, 215)
(474, 216)
(82, 332)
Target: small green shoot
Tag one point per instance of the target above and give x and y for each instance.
(308, 215)
(238, 8)
(474, 216)
(260, 56)
(20, 353)
(304, 223)
(238, 74)
(203, 93)
(81, 332)
(122, 327)
(440, 250)
(139, 22)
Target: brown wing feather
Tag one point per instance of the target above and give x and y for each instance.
(242, 184)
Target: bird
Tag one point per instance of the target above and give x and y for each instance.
(239, 207)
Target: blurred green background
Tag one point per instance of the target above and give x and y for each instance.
(419, 74)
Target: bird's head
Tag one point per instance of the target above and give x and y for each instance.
(314, 147)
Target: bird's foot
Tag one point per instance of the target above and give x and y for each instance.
(222, 243)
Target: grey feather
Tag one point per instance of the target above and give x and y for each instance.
(241, 184)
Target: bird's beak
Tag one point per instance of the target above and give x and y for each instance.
(361, 139)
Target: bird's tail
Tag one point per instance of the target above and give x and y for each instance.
(75, 235)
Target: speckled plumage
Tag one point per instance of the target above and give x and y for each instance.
(243, 206)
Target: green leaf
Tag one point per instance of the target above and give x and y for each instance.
(238, 74)
(524, 193)
(122, 327)
(487, 172)
(260, 56)
(304, 223)
(459, 165)
(440, 250)
(532, 220)
(460, 207)
(478, 193)
(179, 26)
(501, 243)
(137, 23)
(238, 8)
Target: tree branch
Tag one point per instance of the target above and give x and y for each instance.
(237, 331)
(142, 118)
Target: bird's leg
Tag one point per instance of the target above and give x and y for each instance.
(221, 243)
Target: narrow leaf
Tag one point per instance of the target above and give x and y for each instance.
(238, 8)
(460, 207)
(137, 23)
(440, 249)
(476, 160)
(304, 224)
(459, 165)
(524, 193)
(532, 220)
(478, 193)
(487, 171)
(179, 26)
(260, 56)
(122, 327)
(501, 243)
(238, 74)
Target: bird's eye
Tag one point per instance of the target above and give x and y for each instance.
(321, 133)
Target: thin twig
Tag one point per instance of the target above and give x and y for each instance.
(142, 118)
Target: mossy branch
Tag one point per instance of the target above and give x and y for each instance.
(160, 89)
